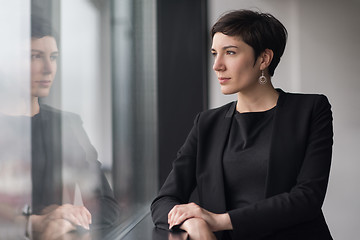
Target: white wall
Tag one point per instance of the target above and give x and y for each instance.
(322, 56)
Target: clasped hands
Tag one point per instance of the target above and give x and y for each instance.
(198, 222)
(58, 220)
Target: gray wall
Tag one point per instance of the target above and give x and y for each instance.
(322, 56)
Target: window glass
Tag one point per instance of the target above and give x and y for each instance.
(78, 105)
(134, 98)
(15, 134)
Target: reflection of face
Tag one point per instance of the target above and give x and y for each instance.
(234, 64)
(44, 53)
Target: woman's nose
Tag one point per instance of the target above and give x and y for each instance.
(48, 66)
(218, 64)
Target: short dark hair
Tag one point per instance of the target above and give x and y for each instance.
(259, 30)
(41, 27)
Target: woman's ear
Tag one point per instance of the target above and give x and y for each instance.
(266, 58)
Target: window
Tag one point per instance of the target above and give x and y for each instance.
(93, 140)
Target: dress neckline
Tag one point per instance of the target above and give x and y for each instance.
(253, 113)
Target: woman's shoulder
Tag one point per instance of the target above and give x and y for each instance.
(217, 113)
(290, 98)
(220, 110)
(304, 95)
(51, 112)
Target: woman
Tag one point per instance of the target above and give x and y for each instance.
(260, 164)
(62, 156)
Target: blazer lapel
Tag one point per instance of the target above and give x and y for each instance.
(214, 179)
(217, 199)
(282, 165)
(51, 133)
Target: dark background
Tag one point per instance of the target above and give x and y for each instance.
(182, 73)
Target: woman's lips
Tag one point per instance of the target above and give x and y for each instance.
(223, 80)
(44, 83)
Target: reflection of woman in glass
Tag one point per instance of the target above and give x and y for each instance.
(63, 158)
(260, 164)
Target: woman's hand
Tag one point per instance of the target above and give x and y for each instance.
(60, 219)
(198, 229)
(216, 222)
(54, 229)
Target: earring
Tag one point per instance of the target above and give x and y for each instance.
(262, 78)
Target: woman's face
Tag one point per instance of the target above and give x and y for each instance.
(44, 53)
(234, 64)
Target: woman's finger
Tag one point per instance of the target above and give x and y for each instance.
(179, 217)
(88, 215)
(84, 217)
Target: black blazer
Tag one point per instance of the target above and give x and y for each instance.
(299, 165)
(71, 159)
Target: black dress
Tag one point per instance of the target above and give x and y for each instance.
(246, 158)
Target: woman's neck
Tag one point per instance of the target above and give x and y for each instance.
(35, 107)
(258, 99)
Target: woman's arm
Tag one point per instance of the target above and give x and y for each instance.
(97, 194)
(181, 181)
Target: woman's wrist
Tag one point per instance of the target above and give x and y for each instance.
(222, 222)
(197, 228)
(36, 222)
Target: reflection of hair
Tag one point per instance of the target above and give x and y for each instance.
(259, 30)
(40, 27)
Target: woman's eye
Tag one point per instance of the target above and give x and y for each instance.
(53, 58)
(35, 56)
(213, 54)
(230, 52)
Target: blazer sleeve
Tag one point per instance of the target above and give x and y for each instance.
(304, 201)
(101, 200)
(181, 181)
